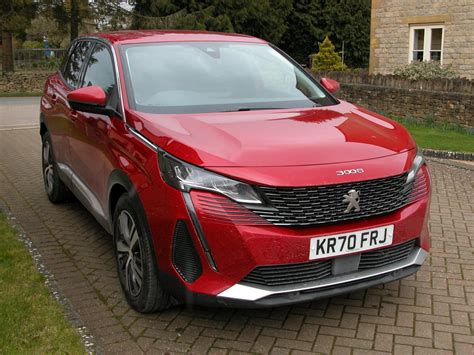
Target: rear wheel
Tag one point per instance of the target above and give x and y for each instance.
(135, 257)
(55, 189)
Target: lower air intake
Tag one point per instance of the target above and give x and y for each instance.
(292, 274)
(185, 257)
(288, 274)
(382, 257)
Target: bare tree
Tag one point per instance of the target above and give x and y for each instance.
(15, 15)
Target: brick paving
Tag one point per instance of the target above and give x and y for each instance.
(18, 112)
(428, 313)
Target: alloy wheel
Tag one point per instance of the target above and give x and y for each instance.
(48, 171)
(129, 254)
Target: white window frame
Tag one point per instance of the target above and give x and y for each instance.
(426, 41)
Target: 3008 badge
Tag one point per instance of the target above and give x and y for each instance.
(350, 171)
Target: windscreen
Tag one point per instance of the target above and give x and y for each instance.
(195, 77)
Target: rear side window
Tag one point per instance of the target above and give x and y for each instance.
(99, 70)
(72, 70)
(66, 58)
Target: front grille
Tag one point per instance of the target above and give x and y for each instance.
(292, 274)
(302, 206)
(185, 257)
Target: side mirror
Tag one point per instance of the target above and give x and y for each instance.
(89, 99)
(330, 85)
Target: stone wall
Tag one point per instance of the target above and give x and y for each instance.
(27, 81)
(448, 85)
(390, 24)
(457, 108)
(439, 100)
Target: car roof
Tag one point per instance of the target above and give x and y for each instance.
(156, 36)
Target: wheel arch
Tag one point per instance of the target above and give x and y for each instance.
(120, 183)
(43, 126)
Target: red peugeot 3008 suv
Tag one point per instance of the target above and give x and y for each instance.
(227, 175)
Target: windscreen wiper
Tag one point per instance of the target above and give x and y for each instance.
(254, 109)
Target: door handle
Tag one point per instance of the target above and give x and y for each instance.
(73, 115)
(102, 127)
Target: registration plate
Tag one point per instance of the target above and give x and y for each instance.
(346, 243)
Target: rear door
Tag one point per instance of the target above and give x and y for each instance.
(54, 108)
(67, 80)
(90, 148)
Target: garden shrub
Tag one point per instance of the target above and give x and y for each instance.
(425, 70)
(32, 44)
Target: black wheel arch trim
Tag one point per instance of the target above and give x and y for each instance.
(120, 178)
(43, 123)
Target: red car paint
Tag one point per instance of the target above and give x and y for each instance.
(92, 95)
(331, 85)
(282, 147)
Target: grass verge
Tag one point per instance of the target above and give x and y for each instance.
(440, 136)
(31, 321)
(20, 94)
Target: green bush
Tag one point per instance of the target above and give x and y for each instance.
(327, 58)
(51, 63)
(426, 70)
(33, 44)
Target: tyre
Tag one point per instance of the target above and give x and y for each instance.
(55, 189)
(135, 258)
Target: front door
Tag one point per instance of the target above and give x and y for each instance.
(90, 151)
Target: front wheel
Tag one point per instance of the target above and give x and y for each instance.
(55, 189)
(135, 257)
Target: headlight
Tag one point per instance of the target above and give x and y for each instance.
(416, 165)
(185, 177)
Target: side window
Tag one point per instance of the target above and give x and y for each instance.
(62, 67)
(100, 70)
(72, 70)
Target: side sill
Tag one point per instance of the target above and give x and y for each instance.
(85, 195)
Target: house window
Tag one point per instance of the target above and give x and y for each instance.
(426, 43)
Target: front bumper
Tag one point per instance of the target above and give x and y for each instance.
(244, 296)
(228, 251)
(327, 287)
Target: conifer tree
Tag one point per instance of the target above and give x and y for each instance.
(327, 58)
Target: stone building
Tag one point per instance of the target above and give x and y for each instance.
(406, 30)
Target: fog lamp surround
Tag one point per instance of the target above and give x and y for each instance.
(185, 177)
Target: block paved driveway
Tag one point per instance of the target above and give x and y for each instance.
(430, 312)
